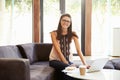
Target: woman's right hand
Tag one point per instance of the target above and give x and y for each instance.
(66, 62)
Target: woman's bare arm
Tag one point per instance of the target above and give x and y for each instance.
(57, 47)
(77, 45)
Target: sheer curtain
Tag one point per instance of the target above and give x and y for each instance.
(15, 21)
(105, 17)
(5, 30)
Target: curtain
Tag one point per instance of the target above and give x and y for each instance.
(15, 22)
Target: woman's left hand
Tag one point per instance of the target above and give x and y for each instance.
(87, 66)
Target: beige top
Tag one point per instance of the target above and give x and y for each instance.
(54, 55)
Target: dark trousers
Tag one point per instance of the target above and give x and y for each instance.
(59, 66)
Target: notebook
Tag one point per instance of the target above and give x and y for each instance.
(97, 65)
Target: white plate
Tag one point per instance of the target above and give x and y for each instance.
(69, 69)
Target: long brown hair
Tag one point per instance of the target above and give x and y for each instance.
(70, 33)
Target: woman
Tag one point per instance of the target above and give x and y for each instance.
(60, 56)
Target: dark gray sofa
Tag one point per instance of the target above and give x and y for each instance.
(113, 64)
(28, 61)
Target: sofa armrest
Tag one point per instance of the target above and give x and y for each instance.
(14, 69)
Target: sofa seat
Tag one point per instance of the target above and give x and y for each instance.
(41, 71)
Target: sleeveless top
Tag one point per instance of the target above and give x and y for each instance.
(65, 49)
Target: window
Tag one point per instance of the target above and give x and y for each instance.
(52, 13)
(51, 16)
(15, 21)
(105, 17)
(74, 8)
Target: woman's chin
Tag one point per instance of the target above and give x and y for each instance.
(65, 27)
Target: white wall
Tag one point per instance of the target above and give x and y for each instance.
(116, 42)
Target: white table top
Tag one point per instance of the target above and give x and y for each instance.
(104, 74)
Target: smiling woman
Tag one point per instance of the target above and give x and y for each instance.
(61, 55)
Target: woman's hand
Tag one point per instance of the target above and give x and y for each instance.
(87, 66)
(65, 61)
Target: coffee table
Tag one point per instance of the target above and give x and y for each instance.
(104, 74)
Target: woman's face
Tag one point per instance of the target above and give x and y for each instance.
(65, 22)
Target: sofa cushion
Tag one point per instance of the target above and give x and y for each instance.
(43, 51)
(9, 52)
(109, 65)
(28, 51)
(116, 63)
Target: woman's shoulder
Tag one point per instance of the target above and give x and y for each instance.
(54, 32)
(74, 34)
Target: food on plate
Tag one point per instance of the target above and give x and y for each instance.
(70, 68)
